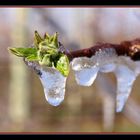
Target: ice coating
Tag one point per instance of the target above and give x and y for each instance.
(53, 82)
(108, 68)
(125, 79)
(86, 69)
(54, 85)
(106, 60)
(105, 56)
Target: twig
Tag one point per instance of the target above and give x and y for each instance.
(126, 48)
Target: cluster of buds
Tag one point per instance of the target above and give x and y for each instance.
(46, 52)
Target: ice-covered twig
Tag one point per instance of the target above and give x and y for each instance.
(125, 48)
(49, 59)
(123, 60)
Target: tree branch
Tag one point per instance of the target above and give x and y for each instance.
(125, 48)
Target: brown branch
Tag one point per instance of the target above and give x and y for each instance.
(126, 48)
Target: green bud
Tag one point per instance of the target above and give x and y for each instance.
(46, 61)
(47, 36)
(46, 52)
(37, 39)
(55, 39)
(63, 65)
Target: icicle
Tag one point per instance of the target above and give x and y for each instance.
(53, 82)
(54, 85)
(125, 79)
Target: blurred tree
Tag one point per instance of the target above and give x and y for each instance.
(19, 86)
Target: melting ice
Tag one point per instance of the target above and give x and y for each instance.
(106, 60)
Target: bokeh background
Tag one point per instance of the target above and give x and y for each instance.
(23, 107)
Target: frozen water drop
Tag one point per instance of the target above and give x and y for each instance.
(85, 71)
(86, 76)
(54, 85)
(125, 79)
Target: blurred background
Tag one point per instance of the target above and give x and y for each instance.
(23, 107)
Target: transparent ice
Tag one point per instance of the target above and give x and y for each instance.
(108, 68)
(53, 83)
(106, 60)
(126, 73)
(125, 79)
(85, 73)
(86, 69)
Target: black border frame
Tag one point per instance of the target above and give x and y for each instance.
(69, 3)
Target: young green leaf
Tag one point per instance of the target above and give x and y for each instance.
(63, 65)
(23, 52)
(32, 57)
